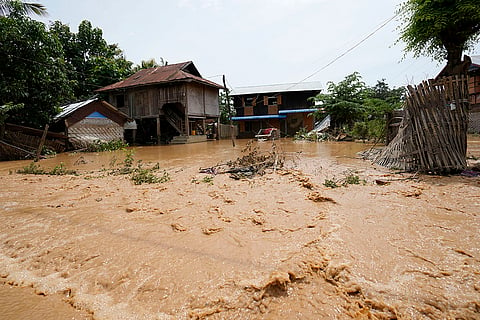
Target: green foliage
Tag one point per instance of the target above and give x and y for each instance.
(344, 101)
(128, 162)
(23, 8)
(92, 62)
(360, 130)
(151, 63)
(359, 109)
(32, 168)
(47, 151)
(303, 134)
(61, 170)
(141, 175)
(440, 29)
(208, 179)
(331, 183)
(58, 170)
(100, 146)
(225, 112)
(33, 70)
(347, 179)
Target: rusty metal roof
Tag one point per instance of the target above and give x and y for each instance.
(185, 71)
(278, 88)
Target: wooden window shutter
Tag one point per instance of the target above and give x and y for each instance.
(279, 99)
(265, 100)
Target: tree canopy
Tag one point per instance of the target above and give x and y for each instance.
(442, 29)
(43, 68)
(32, 70)
(26, 8)
(92, 62)
(353, 106)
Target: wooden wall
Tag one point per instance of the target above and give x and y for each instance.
(147, 102)
(202, 100)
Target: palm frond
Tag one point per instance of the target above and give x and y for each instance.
(27, 8)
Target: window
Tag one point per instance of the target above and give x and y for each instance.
(249, 102)
(120, 101)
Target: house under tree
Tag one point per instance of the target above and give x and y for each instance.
(170, 104)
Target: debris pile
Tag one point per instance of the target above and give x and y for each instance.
(253, 162)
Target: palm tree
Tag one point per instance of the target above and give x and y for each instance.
(146, 64)
(27, 8)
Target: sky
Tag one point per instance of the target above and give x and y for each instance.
(258, 42)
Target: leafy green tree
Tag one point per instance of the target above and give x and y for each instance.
(359, 109)
(25, 8)
(32, 70)
(92, 62)
(225, 113)
(4, 114)
(344, 101)
(442, 29)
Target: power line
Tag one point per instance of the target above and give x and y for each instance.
(346, 52)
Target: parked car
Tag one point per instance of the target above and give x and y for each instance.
(268, 134)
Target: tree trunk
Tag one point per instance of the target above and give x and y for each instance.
(455, 66)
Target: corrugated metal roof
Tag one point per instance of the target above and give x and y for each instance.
(71, 108)
(259, 117)
(276, 88)
(184, 71)
(475, 61)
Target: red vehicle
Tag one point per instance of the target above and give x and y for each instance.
(268, 134)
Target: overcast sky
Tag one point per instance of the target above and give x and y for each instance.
(257, 42)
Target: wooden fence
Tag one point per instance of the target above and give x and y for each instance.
(433, 133)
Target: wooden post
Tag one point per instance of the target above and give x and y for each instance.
(158, 130)
(229, 111)
(42, 142)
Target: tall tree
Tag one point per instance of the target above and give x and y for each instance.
(442, 29)
(32, 70)
(92, 62)
(26, 8)
(344, 101)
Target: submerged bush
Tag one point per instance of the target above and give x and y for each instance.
(141, 175)
(99, 146)
(58, 170)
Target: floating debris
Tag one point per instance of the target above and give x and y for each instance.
(253, 162)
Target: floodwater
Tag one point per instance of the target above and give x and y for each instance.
(278, 246)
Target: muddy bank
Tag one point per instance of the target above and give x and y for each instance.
(277, 246)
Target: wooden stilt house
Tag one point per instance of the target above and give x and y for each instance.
(170, 104)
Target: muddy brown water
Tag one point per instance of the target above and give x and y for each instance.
(279, 246)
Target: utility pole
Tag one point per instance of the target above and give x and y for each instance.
(229, 111)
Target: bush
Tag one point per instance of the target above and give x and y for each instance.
(360, 130)
(100, 146)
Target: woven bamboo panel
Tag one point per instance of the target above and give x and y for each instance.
(474, 122)
(433, 133)
(90, 130)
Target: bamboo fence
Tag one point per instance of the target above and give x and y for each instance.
(432, 137)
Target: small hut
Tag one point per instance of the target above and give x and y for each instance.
(88, 121)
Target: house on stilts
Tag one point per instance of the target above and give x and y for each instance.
(169, 104)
